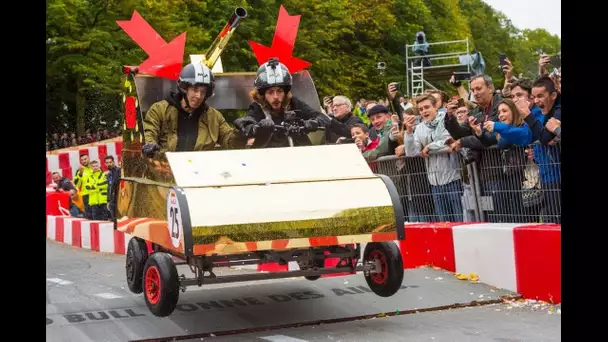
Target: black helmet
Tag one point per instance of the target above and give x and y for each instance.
(196, 74)
(272, 74)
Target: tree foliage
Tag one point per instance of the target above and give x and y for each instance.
(343, 39)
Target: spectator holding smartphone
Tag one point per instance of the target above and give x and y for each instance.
(548, 153)
(486, 109)
(513, 134)
(428, 140)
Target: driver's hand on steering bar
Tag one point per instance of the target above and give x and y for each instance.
(266, 124)
(311, 125)
(244, 122)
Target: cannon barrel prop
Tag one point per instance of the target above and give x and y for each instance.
(154, 89)
(220, 42)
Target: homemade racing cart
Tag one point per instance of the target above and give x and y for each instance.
(250, 207)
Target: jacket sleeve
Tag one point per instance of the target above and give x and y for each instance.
(489, 139)
(412, 144)
(102, 184)
(539, 131)
(547, 136)
(383, 149)
(339, 128)
(558, 131)
(439, 144)
(255, 111)
(521, 136)
(535, 126)
(397, 106)
(308, 113)
(89, 184)
(455, 129)
(78, 178)
(229, 138)
(152, 124)
(474, 142)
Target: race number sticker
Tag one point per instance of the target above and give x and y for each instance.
(174, 218)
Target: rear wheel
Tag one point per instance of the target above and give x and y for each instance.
(137, 254)
(161, 284)
(387, 281)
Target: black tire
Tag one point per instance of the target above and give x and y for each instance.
(161, 284)
(137, 254)
(312, 278)
(388, 281)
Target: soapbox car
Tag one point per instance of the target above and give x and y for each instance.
(223, 208)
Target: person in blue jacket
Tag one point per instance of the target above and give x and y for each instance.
(548, 152)
(512, 134)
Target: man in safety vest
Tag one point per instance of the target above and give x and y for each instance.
(184, 122)
(82, 176)
(97, 185)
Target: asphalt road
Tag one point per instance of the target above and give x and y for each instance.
(88, 300)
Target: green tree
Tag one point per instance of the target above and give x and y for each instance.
(343, 39)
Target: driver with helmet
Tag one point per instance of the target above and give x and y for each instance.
(272, 99)
(184, 122)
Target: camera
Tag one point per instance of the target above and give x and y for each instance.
(381, 65)
(461, 76)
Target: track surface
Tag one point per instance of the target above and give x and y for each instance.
(87, 300)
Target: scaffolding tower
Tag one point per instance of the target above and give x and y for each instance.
(443, 65)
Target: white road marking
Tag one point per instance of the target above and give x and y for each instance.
(59, 281)
(107, 295)
(282, 338)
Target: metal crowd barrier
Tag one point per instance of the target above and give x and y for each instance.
(512, 185)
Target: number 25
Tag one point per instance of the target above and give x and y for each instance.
(174, 224)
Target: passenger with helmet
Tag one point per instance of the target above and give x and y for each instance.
(184, 122)
(272, 98)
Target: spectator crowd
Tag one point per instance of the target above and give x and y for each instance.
(492, 153)
(506, 139)
(92, 189)
(68, 139)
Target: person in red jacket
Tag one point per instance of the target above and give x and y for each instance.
(360, 134)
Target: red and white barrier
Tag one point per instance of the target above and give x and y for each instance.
(68, 161)
(94, 235)
(523, 258)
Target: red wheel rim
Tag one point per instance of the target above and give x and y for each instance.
(152, 284)
(380, 277)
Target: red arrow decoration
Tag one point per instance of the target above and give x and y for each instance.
(164, 60)
(282, 43)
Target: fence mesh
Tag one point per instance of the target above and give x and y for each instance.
(515, 184)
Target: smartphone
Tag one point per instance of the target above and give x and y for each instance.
(501, 60)
(461, 102)
(556, 61)
(398, 86)
(462, 76)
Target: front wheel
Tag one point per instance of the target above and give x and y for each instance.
(388, 281)
(161, 284)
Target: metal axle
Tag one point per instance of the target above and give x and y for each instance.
(368, 267)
